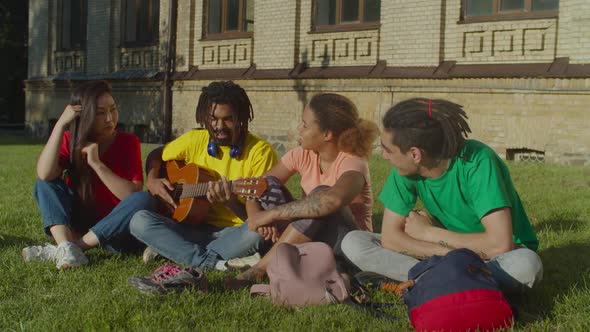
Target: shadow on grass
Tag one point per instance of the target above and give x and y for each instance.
(560, 221)
(7, 240)
(563, 267)
(19, 140)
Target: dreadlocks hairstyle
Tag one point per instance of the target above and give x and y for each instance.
(438, 127)
(227, 93)
(86, 95)
(339, 115)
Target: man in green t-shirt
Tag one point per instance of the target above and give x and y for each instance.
(463, 185)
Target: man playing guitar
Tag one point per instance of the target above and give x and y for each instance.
(227, 148)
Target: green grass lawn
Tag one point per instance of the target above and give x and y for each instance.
(37, 297)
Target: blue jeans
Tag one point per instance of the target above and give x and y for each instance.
(194, 245)
(515, 271)
(55, 200)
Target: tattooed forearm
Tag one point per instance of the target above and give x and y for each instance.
(483, 256)
(446, 245)
(315, 205)
(420, 257)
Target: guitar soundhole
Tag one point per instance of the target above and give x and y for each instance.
(177, 192)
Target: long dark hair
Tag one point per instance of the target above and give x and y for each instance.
(228, 93)
(80, 173)
(436, 126)
(339, 115)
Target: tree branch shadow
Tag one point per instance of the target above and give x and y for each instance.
(560, 221)
(8, 240)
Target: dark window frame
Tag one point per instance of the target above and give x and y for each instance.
(152, 23)
(498, 15)
(83, 26)
(224, 33)
(338, 26)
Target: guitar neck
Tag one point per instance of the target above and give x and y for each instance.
(196, 190)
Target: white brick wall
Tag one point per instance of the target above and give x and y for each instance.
(39, 38)
(410, 32)
(574, 30)
(274, 34)
(184, 35)
(98, 37)
(543, 114)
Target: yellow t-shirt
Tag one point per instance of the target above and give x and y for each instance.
(257, 158)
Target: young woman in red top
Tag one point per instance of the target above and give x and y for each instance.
(87, 177)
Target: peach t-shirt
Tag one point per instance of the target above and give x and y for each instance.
(307, 163)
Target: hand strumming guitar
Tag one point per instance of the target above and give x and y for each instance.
(161, 187)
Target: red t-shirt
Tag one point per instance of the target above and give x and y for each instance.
(123, 157)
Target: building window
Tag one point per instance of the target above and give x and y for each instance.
(492, 10)
(229, 18)
(140, 22)
(346, 14)
(73, 24)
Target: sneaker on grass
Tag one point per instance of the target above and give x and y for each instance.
(69, 255)
(170, 278)
(44, 253)
(149, 255)
(242, 263)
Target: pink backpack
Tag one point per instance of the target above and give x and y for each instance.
(303, 274)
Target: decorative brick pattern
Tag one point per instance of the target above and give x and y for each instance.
(140, 58)
(510, 43)
(68, 62)
(232, 53)
(348, 48)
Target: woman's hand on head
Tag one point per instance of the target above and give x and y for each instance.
(70, 113)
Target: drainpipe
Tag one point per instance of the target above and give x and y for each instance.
(169, 70)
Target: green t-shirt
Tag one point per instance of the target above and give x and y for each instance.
(477, 182)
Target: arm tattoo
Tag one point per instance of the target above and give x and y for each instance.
(483, 255)
(315, 205)
(420, 257)
(446, 245)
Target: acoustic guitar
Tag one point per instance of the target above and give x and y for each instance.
(190, 190)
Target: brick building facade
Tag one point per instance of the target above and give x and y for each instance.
(520, 68)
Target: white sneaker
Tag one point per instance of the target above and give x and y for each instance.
(243, 262)
(149, 255)
(40, 253)
(69, 255)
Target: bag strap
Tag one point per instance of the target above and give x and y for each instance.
(359, 300)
